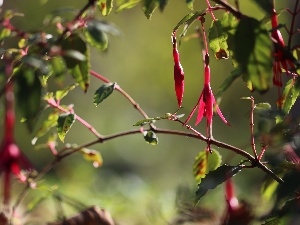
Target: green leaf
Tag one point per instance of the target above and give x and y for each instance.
(234, 74)
(105, 6)
(77, 58)
(50, 122)
(58, 67)
(206, 162)
(188, 20)
(62, 93)
(253, 50)
(162, 4)
(218, 39)
(95, 35)
(290, 94)
(103, 92)
(266, 5)
(263, 106)
(150, 137)
(216, 177)
(127, 5)
(92, 155)
(144, 121)
(149, 7)
(28, 94)
(4, 34)
(64, 123)
(190, 4)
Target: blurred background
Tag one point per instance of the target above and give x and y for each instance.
(138, 182)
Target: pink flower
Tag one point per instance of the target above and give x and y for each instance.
(206, 103)
(280, 60)
(178, 73)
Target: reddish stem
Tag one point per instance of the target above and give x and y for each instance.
(252, 128)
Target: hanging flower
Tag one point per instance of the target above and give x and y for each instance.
(206, 102)
(178, 72)
(280, 59)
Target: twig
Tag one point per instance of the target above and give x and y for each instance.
(294, 14)
(230, 8)
(252, 127)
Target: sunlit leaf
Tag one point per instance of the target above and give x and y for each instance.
(263, 106)
(216, 177)
(150, 137)
(206, 162)
(50, 122)
(105, 6)
(234, 74)
(28, 95)
(290, 94)
(127, 5)
(64, 123)
(4, 33)
(58, 67)
(62, 93)
(93, 156)
(103, 92)
(218, 39)
(254, 57)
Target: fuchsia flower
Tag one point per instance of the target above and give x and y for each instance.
(206, 101)
(11, 157)
(280, 60)
(178, 73)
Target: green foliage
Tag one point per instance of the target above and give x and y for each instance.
(103, 92)
(28, 94)
(64, 123)
(105, 6)
(150, 137)
(93, 156)
(290, 94)
(254, 57)
(266, 5)
(206, 162)
(218, 38)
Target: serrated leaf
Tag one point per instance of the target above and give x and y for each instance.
(150, 137)
(50, 122)
(127, 5)
(234, 74)
(266, 5)
(92, 155)
(190, 4)
(103, 92)
(62, 93)
(216, 177)
(254, 57)
(290, 94)
(206, 162)
(95, 35)
(28, 94)
(105, 6)
(64, 123)
(218, 39)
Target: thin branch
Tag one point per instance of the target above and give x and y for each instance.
(294, 15)
(229, 8)
(252, 127)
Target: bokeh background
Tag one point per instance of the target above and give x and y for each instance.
(137, 182)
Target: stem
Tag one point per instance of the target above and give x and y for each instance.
(211, 12)
(294, 14)
(230, 8)
(124, 93)
(54, 104)
(252, 127)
